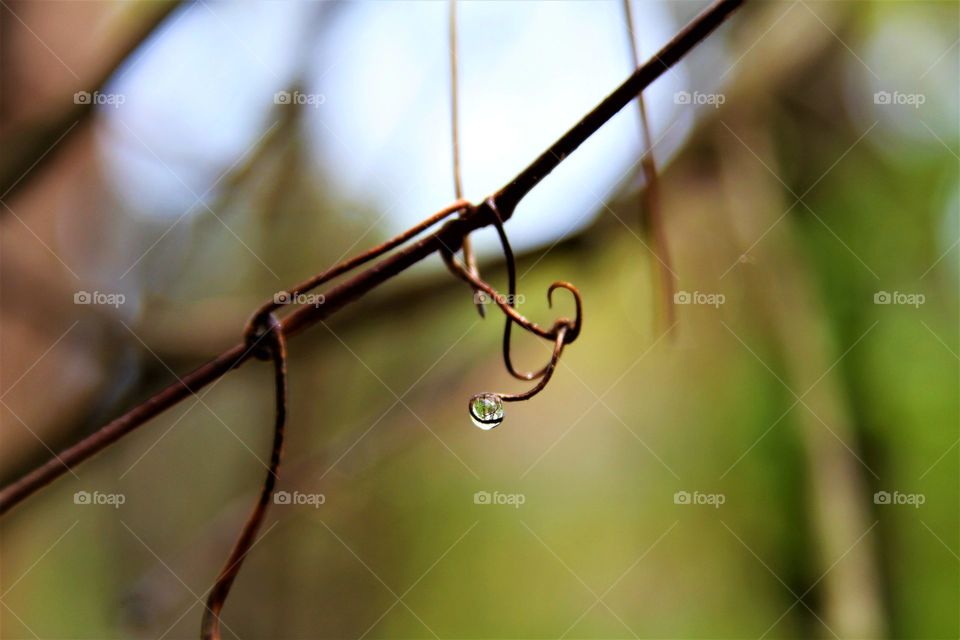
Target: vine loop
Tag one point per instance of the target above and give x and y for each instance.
(486, 409)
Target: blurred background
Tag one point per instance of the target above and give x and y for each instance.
(780, 462)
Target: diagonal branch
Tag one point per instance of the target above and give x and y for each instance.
(36, 147)
(448, 238)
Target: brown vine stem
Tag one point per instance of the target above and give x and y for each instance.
(469, 257)
(277, 347)
(449, 237)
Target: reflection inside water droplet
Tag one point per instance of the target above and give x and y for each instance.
(486, 410)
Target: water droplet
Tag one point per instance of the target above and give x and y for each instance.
(486, 410)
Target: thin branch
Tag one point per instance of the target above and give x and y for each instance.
(699, 28)
(469, 257)
(454, 102)
(650, 197)
(448, 238)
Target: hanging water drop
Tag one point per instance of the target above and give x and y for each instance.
(486, 410)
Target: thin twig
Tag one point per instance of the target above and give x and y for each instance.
(650, 196)
(454, 102)
(469, 257)
(448, 237)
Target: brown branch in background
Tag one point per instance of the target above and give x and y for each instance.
(650, 215)
(276, 345)
(27, 153)
(449, 237)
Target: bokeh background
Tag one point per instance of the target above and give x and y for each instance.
(781, 462)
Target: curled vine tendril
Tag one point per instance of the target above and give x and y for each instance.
(267, 340)
(486, 408)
